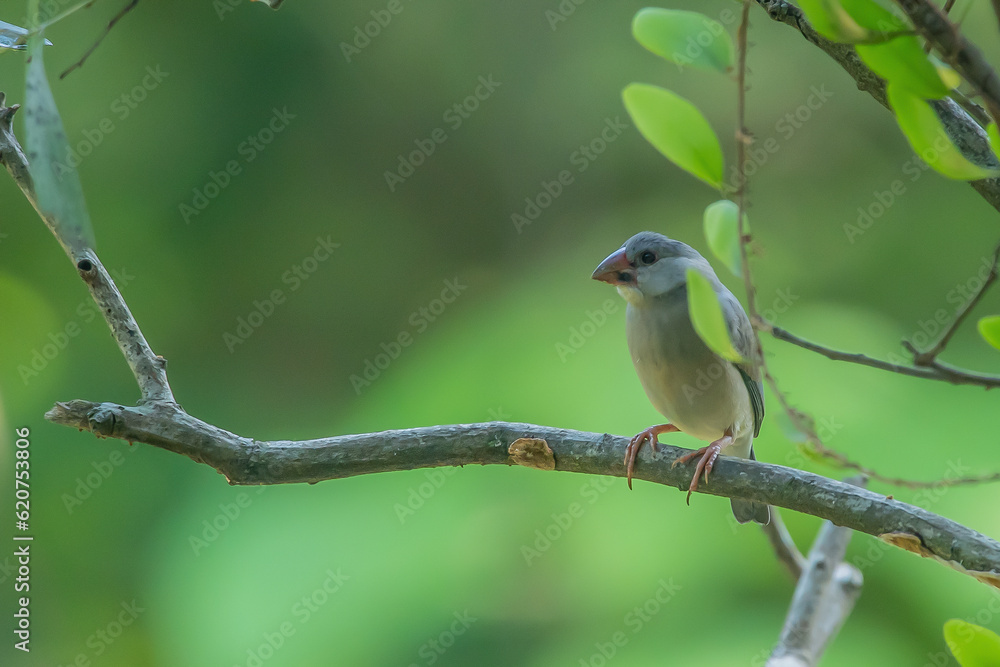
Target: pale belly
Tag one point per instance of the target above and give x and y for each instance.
(697, 391)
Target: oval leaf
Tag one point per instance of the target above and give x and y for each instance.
(928, 139)
(994, 134)
(58, 192)
(722, 231)
(902, 61)
(684, 38)
(677, 129)
(830, 19)
(989, 329)
(707, 318)
(972, 645)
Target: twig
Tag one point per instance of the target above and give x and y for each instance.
(107, 30)
(996, 9)
(939, 371)
(967, 134)
(149, 369)
(824, 598)
(928, 357)
(783, 544)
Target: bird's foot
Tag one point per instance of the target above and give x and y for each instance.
(636, 443)
(707, 455)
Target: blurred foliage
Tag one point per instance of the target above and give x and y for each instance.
(859, 245)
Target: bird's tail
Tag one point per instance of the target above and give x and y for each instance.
(747, 510)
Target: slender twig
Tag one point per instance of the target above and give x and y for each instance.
(824, 597)
(783, 544)
(939, 371)
(996, 9)
(107, 31)
(148, 368)
(928, 357)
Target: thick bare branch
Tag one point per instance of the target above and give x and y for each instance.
(247, 461)
(824, 598)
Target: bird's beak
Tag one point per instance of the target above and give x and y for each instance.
(615, 270)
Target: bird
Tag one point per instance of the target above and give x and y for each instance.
(699, 392)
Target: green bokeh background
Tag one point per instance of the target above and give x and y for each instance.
(491, 354)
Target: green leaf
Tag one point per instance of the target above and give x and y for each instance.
(972, 645)
(58, 191)
(685, 38)
(902, 62)
(994, 134)
(831, 20)
(677, 129)
(707, 318)
(989, 329)
(928, 138)
(722, 231)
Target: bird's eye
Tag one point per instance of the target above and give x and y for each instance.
(647, 257)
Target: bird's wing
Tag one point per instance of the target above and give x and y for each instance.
(741, 333)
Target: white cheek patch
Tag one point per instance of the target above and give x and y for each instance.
(630, 293)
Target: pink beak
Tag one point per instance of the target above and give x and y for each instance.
(615, 270)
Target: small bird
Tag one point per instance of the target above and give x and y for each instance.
(699, 392)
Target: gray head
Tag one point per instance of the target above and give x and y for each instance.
(649, 265)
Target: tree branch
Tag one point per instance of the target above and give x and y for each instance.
(956, 50)
(967, 134)
(246, 461)
(824, 598)
(783, 544)
(149, 369)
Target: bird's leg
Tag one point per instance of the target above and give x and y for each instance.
(633, 447)
(708, 455)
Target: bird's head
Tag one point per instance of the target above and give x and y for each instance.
(649, 265)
